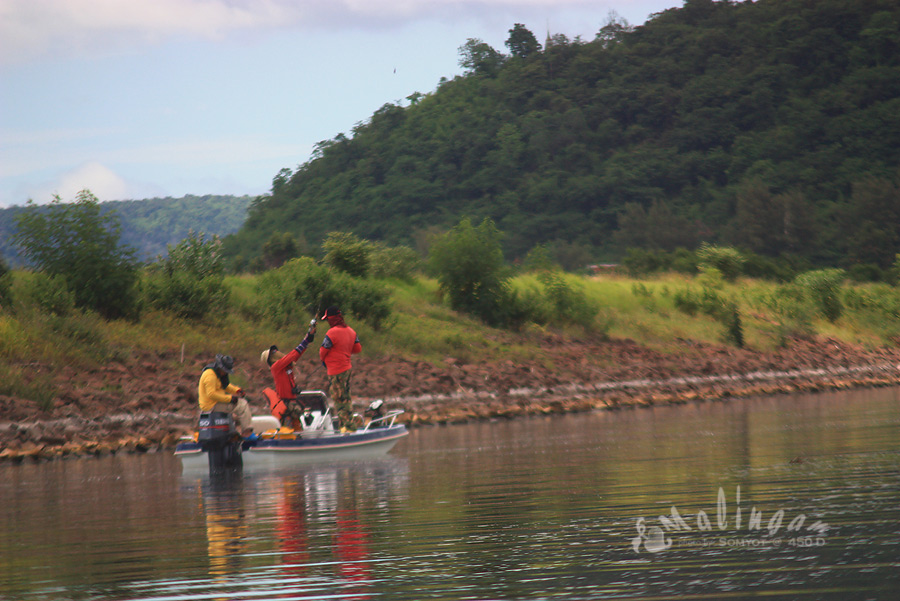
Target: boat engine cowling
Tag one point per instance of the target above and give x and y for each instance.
(218, 438)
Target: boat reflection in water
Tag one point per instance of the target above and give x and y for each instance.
(322, 519)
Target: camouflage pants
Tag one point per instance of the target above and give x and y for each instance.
(293, 413)
(339, 391)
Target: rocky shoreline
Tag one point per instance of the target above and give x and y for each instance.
(148, 403)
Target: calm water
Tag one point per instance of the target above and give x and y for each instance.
(574, 507)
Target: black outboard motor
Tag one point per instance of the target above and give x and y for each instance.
(219, 439)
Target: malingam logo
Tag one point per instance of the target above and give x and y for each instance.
(739, 530)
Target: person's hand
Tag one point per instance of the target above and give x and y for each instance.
(310, 335)
(239, 393)
(234, 399)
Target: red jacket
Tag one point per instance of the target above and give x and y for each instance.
(340, 342)
(283, 372)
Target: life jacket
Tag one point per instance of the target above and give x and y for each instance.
(276, 405)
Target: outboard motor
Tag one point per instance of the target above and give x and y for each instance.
(219, 440)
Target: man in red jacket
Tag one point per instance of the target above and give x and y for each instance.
(339, 344)
(282, 367)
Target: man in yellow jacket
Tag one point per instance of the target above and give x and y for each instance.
(216, 393)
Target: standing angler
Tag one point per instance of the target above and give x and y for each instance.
(339, 344)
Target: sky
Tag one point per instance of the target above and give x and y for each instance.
(136, 99)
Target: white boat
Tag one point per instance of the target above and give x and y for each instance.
(273, 445)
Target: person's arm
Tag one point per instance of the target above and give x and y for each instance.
(325, 348)
(357, 347)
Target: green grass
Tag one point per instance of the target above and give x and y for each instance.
(422, 327)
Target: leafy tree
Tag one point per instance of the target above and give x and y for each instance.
(874, 222)
(399, 262)
(657, 227)
(281, 247)
(299, 288)
(80, 243)
(477, 56)
(772, 224)
(189, 281)
(728, 261)
(521, 42)
(614, 30)
(347, 252)
(685, 112)
(468, 262)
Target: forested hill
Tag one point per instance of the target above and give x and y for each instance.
(771, 125)
(148, 226)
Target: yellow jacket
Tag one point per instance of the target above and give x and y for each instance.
(211, 391)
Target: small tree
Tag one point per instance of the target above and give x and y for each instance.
(521, 42)
(81, 243)
(727, 260)
(189, 280)
(477, 56)
(347, 252)
(824, 289)
(468, 263)
(280, 248)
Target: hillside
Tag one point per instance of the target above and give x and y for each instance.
(712, 122)
(150, 225)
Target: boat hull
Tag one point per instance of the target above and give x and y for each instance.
(293, 451)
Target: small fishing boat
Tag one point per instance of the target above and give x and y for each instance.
(217, 444)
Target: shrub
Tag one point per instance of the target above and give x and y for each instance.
(13, 383)
(567, 304)
(538, 258)
(301, 287)
(684, 261)
(709, 302)
(757, 266)
(727, 260)
(348, 253)
(468, 263)
(400, 262)
(80, 243)
(365, 299)
(824, 289)
(638, 261)
(45, 292)
(189, 281)
(865, 272)
(794, 310)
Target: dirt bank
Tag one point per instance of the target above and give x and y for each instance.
(149, 401)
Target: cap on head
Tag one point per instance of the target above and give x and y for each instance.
(225, 363)
(331, 311)
(267, 354)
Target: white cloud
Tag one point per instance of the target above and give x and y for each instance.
(32, 29)
(104, 183)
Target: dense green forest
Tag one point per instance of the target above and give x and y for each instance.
(772, 126)
(149, 226)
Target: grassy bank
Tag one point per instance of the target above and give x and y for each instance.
(658, 312)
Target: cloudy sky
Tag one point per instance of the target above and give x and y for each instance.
(141, 98)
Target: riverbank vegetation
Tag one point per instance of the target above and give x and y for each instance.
(460, 301)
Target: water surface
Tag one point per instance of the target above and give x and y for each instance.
(566, 507)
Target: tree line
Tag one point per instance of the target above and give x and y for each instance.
(148, 226)
(772, 126)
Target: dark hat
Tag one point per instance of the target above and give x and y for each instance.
(225, 363)
(331, 312)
